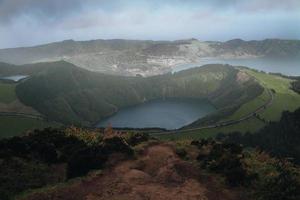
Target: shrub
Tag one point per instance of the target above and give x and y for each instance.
(136, 138)
(116, 144)
(224, 159)
(181, 152)
(84, 160)
(282, 185)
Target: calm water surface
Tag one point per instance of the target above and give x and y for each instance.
(169, 114)
(284, 66)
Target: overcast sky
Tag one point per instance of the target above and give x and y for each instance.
(31, 22)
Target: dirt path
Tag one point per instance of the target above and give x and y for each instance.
(157, 174)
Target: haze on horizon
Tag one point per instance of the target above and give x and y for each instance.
(32, 22)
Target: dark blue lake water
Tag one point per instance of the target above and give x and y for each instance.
(169, 114)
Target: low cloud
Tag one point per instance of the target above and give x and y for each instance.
(29, 22)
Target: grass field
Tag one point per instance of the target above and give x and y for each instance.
(247, 126)
(249, 107)
(7, 92)
(12, 126)
(285, 99)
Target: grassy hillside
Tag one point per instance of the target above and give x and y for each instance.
(7, 92)
(16, 125)
(69, 94)
(13, 126)
(285, 99)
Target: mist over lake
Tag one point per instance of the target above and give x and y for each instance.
(275, 65)
(169, 114)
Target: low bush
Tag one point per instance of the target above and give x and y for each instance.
(134, 139)
(33, 160)
(268, 178)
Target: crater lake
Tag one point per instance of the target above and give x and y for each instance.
(168, 114)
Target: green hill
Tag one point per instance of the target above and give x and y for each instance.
(68, 94)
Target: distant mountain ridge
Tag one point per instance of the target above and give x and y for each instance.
(132, 57)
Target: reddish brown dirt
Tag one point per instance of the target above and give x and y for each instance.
(157, 174)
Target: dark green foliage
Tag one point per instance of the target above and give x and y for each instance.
(282, 186)
(181, 152)
(17, 174)
(86, 159)
(278, 138)
(296, 86)
(281, 139)
(48, 145)
(200, 143)
(137, 138)
(264, 177)
(116, 144)
(49, 156)
(226, 159)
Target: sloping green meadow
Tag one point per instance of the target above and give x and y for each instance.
(284, 99)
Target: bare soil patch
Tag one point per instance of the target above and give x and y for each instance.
(157, 173)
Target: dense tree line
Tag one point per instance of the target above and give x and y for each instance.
(280, 138)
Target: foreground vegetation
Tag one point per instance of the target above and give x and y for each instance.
(55, 156)
(51, 156)
(280, 138)
(265, 177)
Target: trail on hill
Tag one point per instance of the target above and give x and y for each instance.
(156, 174)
